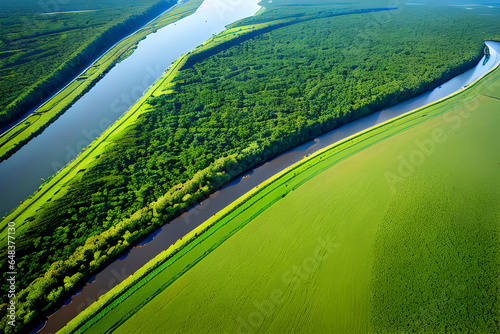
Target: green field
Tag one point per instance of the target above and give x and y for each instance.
(394, 230)
(126, 184)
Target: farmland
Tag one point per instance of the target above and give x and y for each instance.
(422, 255)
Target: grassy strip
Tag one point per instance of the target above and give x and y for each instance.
(35, 123)
(253, 204)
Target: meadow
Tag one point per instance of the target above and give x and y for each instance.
(410, 244)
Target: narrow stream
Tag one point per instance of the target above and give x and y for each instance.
(160, 240)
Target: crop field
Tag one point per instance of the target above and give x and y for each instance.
(394, 230)
(281, 80)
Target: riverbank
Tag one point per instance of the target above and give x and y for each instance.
(117, 306)
(13, 139)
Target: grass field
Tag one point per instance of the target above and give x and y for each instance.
(47, 113)
(394, 230)
(100, 245)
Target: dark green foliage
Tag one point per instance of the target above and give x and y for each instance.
(40, 51)
(304, 9)
(453, 243)
(234, 110)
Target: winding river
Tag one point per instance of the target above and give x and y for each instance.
(160, 240)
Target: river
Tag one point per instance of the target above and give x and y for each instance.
(58, 144)
(160, 240)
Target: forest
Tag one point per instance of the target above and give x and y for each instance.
(230, 112)
(44, 44)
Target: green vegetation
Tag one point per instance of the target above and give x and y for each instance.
(420, 256)
(230, 111)
(299, 10)
(39, 120)
(43, 44)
